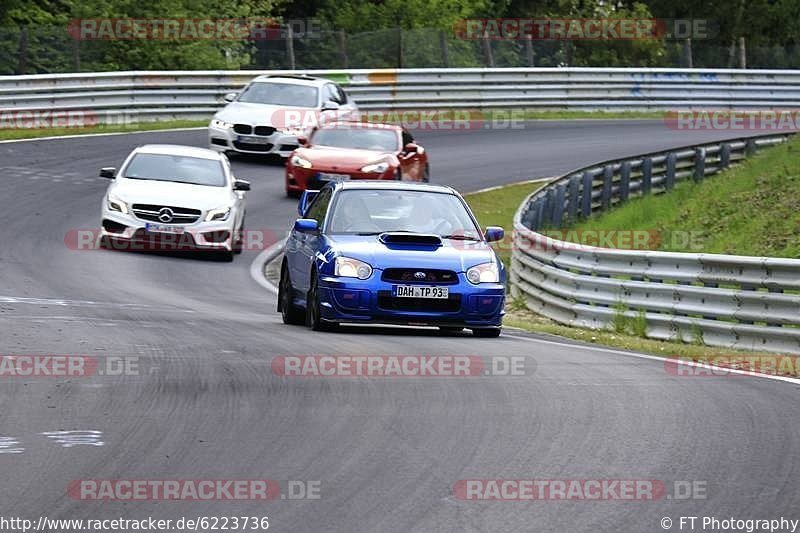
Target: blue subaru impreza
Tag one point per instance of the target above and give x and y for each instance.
(391, 253)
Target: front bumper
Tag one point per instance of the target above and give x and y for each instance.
(226, 140)
(370, 301)
(299, 179)
(127, 232)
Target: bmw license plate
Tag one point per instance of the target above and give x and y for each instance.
(416, 291)
(252, 140)
(163, 228)
(325, 176)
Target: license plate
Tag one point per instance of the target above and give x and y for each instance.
(163, 228)
(325, 176)
(416, 291)
(252, 140)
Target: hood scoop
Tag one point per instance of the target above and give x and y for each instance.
(412, 239)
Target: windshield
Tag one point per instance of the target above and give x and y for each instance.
(381, 140)
(378, 211)
(288, 94)
(180, 169)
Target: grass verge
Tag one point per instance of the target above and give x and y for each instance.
(751, 209)
(33, 133)
(496, 208)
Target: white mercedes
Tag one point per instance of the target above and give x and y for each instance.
(174, 198)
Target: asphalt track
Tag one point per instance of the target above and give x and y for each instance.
(387, 452)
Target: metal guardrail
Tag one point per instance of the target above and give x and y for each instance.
(160, 95)
(721, 300)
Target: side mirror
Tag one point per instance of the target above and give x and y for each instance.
(108, 172)
(306, 225)
(494, 233)
(330, 105)
(230, 97)
(410, 148)
(305, 200)
(302, 141)
(241, 185)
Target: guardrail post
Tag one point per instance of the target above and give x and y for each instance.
(647, 175)
(725, 156)
(624, 181)
(750, 147)
(586, 195)
(572, 202)
(672, 163)
(549, 207)
(699, 163)
(539, 213)
(608, 177)
(558, 207)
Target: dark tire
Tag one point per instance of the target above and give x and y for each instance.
(426, 176)
(293, 194)
(313, 315)
(238, 240)
(398, 176)
(450, 330)
(486, 332)
(290, 313)
(225, 256)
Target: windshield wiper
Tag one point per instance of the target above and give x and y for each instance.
(456, 237)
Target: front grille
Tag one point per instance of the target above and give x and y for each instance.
(180, 215)
(243, 129)
(423, 305)
(287, 147)
(250, 147)
(113, 227)
(408, 275)
(265, 130)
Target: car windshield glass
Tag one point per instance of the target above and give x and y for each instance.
(372, 211)
(382, 140)
(181, 169)
(288, 94)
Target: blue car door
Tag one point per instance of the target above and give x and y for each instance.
(304, 246)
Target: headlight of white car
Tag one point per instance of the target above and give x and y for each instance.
(115, 204)
(220, 214)
(484, 273)
(376, 167)
(216, 123)
(347, 267)
(300, 162)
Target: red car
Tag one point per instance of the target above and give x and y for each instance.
(355, 150)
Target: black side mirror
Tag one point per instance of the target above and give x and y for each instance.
(241, 185)
(108, 172)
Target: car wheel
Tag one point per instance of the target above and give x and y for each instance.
(226, 256)
(486, 332)
(313, 314)
(426, 176)
(293, 194)
(290, 313)
(398, 176)
(450, 330)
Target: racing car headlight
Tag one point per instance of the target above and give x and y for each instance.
(216, 123)
(115, 204)
(300, 162)
(483, 273)
(348, 267)
(376, 167)
(218, 214)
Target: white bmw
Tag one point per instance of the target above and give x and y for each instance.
(174, 198)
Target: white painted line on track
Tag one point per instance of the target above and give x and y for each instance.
(264, 257)
(56, 137)
(496, 187)
(787, 379)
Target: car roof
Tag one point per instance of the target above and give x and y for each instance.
(294, 79)
(178, 149)
(390, 185)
